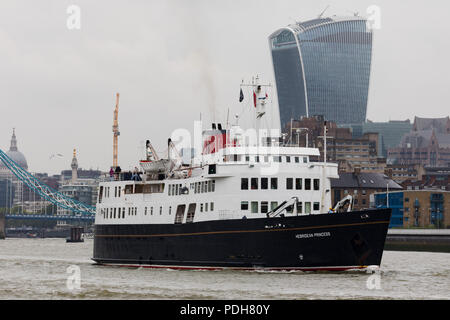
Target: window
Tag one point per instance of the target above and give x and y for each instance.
(119, 192)
(254, 183)
(316, 206)
(160, 210)
(299, 207)
(206, 207)
(277, 159)
(273, 205)
(244, 205)
(244, 183)
(114, 213)
(264, 207)
(170, 210)
(307, 184)
(297, 160)
(307, 207)
(288, 159)
(264, 183)
(257, 159)
(201, 207)
(212, 206)
(274, 183)
(254, 207)
(298, 183)
(316, 184)
(213, 186)
(289, 183)
(305, 159)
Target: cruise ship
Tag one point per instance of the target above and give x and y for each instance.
(240, 204)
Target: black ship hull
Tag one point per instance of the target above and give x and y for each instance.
(336, 241)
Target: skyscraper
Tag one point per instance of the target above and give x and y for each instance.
(322, 67)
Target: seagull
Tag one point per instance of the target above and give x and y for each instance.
(55, 155)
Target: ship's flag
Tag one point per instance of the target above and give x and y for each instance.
(241, 96)
(254, 98)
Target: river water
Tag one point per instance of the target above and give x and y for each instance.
(54, 269)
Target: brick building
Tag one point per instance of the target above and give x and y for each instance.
(416, 208)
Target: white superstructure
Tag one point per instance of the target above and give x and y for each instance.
(233, 178)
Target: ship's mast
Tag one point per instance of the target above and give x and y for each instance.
(259, 102)
(116, 133)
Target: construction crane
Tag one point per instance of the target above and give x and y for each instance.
(116, 133)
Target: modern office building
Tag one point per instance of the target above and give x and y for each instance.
(322, 67)
(416, 208)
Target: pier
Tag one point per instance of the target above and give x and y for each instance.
(432, 240)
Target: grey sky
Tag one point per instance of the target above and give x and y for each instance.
(172, 60)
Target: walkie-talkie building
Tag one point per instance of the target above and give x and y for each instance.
(322, 67)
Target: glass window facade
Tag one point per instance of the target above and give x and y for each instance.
(322, 67)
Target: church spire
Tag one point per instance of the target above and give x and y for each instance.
(13, 146)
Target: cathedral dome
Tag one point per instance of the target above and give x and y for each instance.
(15, 154)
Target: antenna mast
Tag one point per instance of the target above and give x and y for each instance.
(116, 133)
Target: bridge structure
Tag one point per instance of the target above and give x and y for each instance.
(78, 210)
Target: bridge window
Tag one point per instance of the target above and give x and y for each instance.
(244, 205)
(316, 206)
(244, 183)
(274, 183)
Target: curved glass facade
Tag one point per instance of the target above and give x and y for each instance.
(322, 67)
